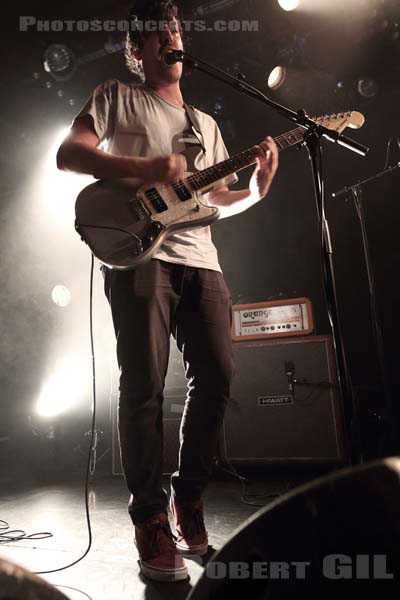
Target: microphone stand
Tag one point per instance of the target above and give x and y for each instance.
(312, 134)
(357, 192)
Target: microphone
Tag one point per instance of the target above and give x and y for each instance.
(169, 59)
(289, 372)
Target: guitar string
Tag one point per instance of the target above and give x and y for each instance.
(204, 174)
(209, 170)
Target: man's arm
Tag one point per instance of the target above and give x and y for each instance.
(234, 202)
(79, 153)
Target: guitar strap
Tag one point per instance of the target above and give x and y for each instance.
(193, 120)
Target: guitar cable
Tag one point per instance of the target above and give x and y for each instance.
(132, 235)
(91, 448)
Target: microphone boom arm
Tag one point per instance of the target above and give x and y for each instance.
(242, 86)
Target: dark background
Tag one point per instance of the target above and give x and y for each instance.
(271, 251)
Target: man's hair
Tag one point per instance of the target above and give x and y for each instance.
(144, 11)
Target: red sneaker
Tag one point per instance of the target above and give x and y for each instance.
(158, 557)
(189, 524)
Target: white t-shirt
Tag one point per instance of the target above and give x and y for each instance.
(135, 121)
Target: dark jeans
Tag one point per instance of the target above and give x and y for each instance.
(149, 303)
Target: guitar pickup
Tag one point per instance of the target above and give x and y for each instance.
(156, 201)
(181, 191)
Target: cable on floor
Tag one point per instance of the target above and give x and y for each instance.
(246, 495)
(8, 535)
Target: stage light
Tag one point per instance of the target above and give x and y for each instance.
(289, 4)
(59, 61)
(367, 87)
(276, 77)
(62, 390)
(218, 107)
(59, 189)
(61, 295)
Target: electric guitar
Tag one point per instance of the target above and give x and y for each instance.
(124, 221)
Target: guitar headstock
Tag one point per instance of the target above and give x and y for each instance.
(338, 122)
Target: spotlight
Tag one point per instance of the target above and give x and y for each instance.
(367, 87)
(54, 183)
(63, 389)
(289, 4)
(276, 77)
(59, 61)
(61, 295)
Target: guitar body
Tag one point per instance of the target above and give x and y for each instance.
(124, 224)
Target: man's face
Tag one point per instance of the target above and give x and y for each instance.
(155, 44)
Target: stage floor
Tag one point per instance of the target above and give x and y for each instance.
(110, 570)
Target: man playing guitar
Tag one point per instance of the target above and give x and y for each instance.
(180, 291)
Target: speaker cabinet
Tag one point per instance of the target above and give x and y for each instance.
(285, 405)
(337, 537)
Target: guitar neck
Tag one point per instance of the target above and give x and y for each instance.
(202, 180)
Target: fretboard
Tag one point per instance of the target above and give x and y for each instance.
(203, 179)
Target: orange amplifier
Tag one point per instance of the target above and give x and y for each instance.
(279, 318)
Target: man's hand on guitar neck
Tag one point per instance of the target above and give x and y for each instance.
(234, 202)
(265, 170)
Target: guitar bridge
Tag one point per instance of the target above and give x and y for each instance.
(139, 208)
